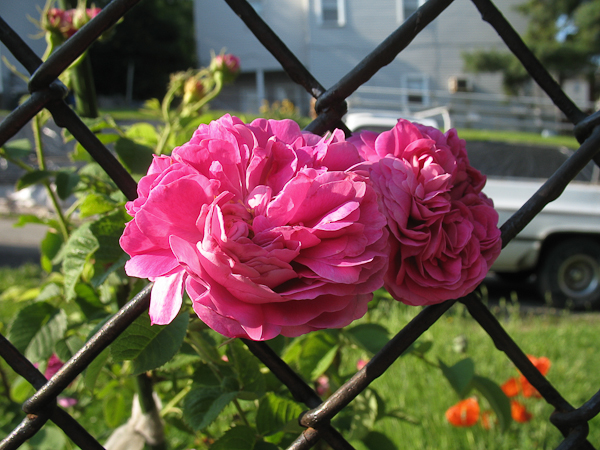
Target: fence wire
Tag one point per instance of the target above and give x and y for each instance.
(47, 92)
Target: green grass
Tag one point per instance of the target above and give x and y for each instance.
(569, 340)
(421, 391)
(517, 137)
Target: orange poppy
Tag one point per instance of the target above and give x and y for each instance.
(464, 414)
(511, 387)
(519, 413)
(543, 365)
(487, 420)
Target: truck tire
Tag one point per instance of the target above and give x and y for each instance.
(569, 274)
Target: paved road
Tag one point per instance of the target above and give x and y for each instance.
(19, 245)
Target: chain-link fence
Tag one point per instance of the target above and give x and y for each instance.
(48, 93)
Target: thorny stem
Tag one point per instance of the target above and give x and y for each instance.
(62, 222)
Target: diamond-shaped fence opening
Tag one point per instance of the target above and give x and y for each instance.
(47, 92)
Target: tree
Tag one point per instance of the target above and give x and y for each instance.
(155, 39)
(563, 34)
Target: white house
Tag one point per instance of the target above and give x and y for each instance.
(19, 14)
(331, 36)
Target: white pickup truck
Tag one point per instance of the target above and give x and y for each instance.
(561, 245)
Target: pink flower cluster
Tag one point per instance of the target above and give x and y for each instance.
(68, 22)
(443, 229)
(272, 230)
(262, 227)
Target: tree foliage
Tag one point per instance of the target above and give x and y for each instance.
(156, 38)
(563, 34)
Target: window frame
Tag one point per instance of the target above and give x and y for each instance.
(340, 8)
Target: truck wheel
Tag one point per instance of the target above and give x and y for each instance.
(570, 273)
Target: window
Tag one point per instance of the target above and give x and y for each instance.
(405, 8)
(416, 88)
(331, 12)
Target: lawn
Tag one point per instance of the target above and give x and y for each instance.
(420, 391)
(569, 340)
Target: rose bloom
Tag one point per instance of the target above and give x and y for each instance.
(464, 414)
(260, 227)
(443, 231)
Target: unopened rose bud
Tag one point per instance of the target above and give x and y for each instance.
(228, 65)
(193, 91)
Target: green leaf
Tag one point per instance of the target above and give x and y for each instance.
(91, 373)
(358, 445)
(18, 148)
(88, 301)
(33, 177)
(67, 347)
(143, 133)
(308, 351)
(324, 362)
(366, 411)
(43, 343)
(95, 203)
(135, 157)
(21, 390)
(459, 375)
(262, 445)
(204, 376)
(369, 336)
(66, 181)
(74, 254)
(48, 438)
(247, 369)
(24, 219)
(237, 438)
(99, 279)
(419, 348)
(275, 412)
(107, 231)
(495, 397)
(202, 405)
(113, 407)
(378, 441)
(149, 346)
(49, 248)
(36, 329)
(79, 153)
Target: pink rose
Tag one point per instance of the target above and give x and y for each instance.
(265, 238)
(53, 366)
(443, 230)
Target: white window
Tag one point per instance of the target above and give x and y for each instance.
(416, 89)
(405, 8)
(331, 12)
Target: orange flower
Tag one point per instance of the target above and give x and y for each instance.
(543, 365)
(511, 387)
(487, 420)
(464, 414)
(519, 413)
